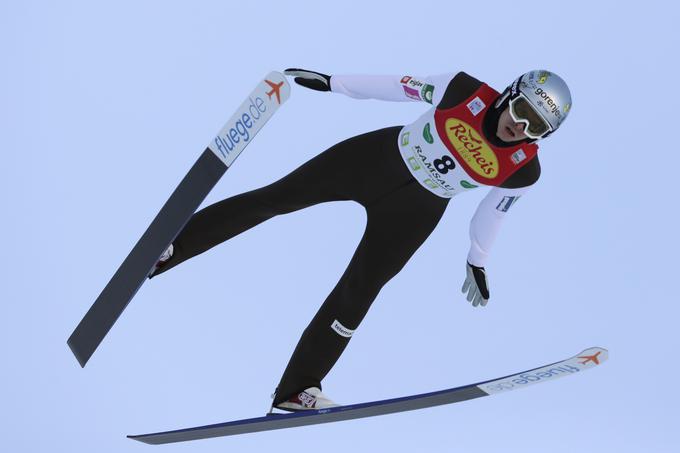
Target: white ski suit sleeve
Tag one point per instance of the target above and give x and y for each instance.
(487, 221)
(389, 87)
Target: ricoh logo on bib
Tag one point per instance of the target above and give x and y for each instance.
(472, 148)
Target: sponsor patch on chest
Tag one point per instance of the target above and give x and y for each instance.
(518, 156)
(476, 105)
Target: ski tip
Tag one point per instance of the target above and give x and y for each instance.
(593, 355)
(277, 86)
(276, 75)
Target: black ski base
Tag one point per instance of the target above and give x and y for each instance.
(130, 276)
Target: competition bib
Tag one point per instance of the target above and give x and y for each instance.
(447, 153)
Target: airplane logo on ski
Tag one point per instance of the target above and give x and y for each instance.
(591, 358)
(276, 89)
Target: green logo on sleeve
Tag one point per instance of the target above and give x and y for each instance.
(427, 135)
(467, 185)
(413, 163)
(404, 139)
(427, 93)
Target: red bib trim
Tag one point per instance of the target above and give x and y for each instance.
(460, 129)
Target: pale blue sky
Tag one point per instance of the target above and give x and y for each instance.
(105, 105)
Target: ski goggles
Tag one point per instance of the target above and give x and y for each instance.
(522, 111)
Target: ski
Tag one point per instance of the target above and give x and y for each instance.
(215, 160)
(587, 359)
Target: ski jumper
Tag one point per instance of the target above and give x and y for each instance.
(420, 166)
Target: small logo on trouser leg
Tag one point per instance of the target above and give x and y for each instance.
(341, 330)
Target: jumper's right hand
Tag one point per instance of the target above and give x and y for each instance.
(310, 79)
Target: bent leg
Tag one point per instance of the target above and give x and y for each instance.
(331, 176)
(223, 220)
(397, 225)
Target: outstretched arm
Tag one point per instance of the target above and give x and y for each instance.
(392, 87)
(487, 221)
(484, 228)
(382, 87)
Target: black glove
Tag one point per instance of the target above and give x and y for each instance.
(475, 282)
(310, 79)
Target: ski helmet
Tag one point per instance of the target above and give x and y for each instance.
(540, 99)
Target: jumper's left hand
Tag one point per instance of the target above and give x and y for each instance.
(476, 286)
